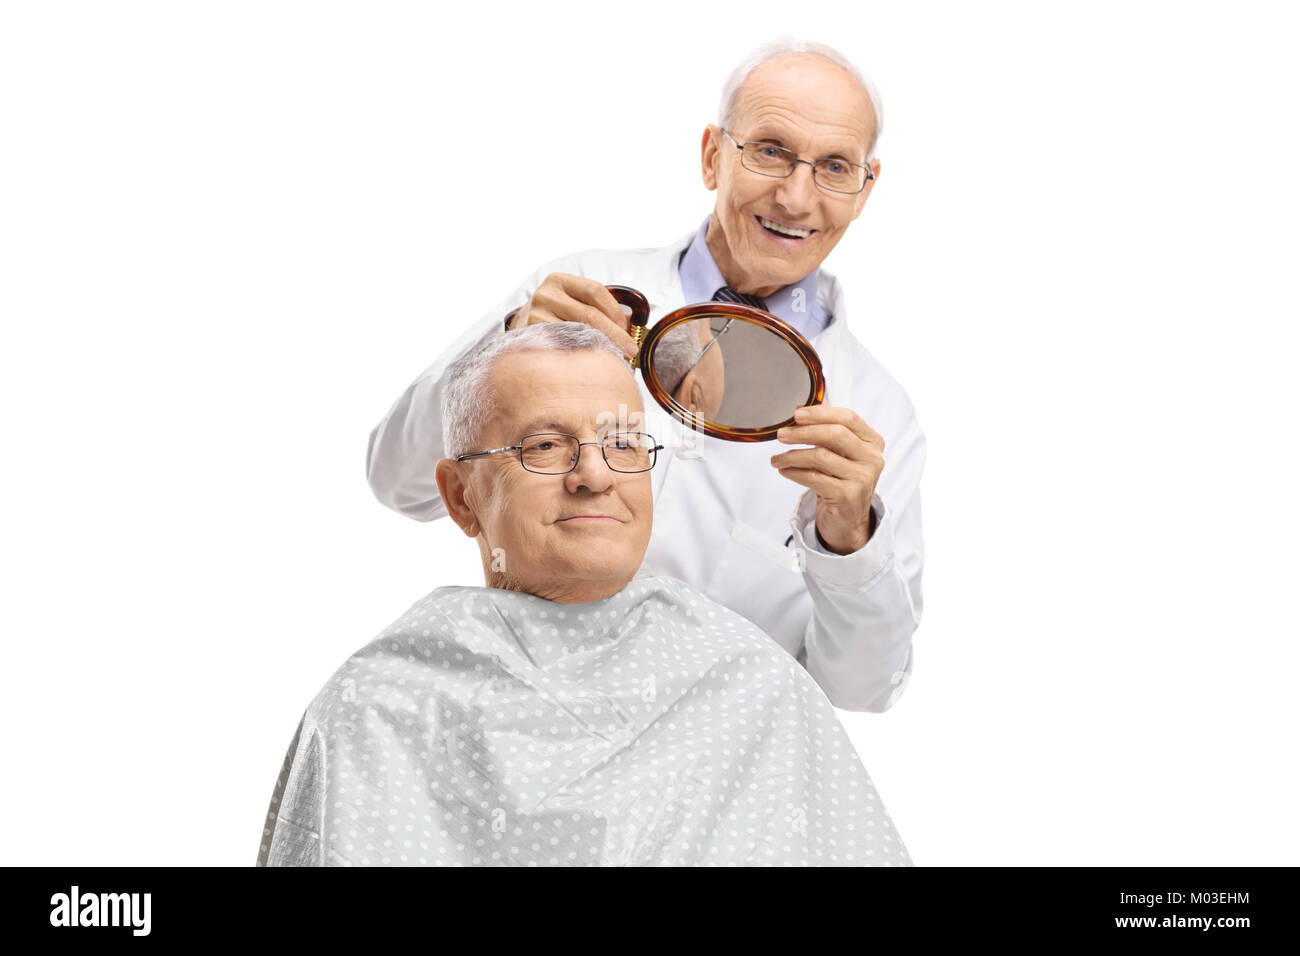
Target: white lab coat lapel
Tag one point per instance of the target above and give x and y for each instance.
(655, 277)
(832, 343)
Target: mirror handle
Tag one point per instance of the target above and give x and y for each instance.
(638, 309)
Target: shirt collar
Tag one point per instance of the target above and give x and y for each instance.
(701, 278)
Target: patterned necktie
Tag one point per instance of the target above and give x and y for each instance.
(728, 294)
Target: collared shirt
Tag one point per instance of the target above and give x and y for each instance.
(796, 303)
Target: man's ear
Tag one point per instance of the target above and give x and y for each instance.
(689, 394)
(709, 157)
(452, 487)
(866, 190)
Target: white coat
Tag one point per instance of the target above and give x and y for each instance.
(722, 512)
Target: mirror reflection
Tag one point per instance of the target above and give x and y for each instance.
(730, 371)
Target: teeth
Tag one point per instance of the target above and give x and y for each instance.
(785, 230)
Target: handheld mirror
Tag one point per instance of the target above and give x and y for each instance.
(728, 370)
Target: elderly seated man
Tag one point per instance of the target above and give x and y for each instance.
(571, 711)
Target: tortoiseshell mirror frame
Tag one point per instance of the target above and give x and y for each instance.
(635, 301)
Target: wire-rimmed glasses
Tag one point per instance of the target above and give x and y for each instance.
(557, 453)
(768, 159)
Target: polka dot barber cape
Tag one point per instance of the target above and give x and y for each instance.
(655, 727)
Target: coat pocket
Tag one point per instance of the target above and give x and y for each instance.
(767, 546)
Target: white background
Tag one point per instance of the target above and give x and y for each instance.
(232, 233)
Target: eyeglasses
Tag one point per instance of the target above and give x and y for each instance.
(837, 175)
(555, 453)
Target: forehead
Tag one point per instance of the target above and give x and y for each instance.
(808, 98)
(564, 391)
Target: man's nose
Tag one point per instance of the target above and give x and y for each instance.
(798, 191)
(591, 472)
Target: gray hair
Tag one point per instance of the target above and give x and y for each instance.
(468, 399)
(784, 46)
(675, 354)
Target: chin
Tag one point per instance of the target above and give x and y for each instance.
(780, 269)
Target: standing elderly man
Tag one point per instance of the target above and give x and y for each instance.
(820, 546)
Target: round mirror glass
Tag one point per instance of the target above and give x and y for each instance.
(730, 371)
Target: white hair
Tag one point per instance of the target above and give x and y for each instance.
(468, 398)
(675, 353)
(785, 46)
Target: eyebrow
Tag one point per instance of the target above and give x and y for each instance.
(776, 140)
(540, 426)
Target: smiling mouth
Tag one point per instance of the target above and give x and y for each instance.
(588, 518)
(782, 230)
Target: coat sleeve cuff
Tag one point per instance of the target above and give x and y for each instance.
(855, 568)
